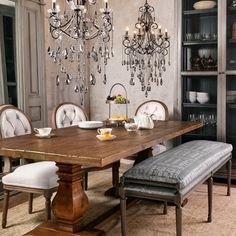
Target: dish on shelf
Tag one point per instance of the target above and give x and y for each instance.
(203, 100)
(90, 124)
(102, 138)
(201, 5)
(231, 93)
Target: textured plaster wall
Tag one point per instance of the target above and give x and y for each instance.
(125, 14)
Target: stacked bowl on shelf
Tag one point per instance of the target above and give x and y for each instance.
(231, 96)
(201, 97)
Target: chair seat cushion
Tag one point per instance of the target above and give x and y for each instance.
(182, 164)
(40, 175)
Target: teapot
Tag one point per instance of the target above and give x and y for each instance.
(144, 121)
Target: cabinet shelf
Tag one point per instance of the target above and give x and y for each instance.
(199, 43)
(201, 12)
(231, 105)
(232, 9)
(198, 105)
(199, 73)
(232, 40)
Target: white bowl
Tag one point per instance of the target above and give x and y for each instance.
(203, 100)
(131, 126)
(202, 94)
(204, 5)
(90, 124)
(192, 99)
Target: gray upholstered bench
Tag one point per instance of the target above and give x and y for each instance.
(174, 174)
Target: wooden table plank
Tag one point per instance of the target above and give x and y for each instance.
(77, 146)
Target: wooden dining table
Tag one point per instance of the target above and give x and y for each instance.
(71, 148)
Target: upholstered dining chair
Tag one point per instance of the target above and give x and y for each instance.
(33, 178)
(70, 114)
(158, 111)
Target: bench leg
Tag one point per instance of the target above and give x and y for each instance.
(229, 170)
(165, 208)
(210, 184)
(123, 215)
(178, 212)
(116, 177)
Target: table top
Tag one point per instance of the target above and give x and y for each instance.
(79, 146)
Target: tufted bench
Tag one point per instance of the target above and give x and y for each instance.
(174, 174)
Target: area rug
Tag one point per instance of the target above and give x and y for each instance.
(144, 218)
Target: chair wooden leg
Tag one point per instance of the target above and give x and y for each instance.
(47, 196)
(210, 184)
(5, 208)
(116, 177)
(31, 197)
(178, 212)
(123, 215)
(229, 172)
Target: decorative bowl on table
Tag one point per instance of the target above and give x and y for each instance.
(90, 124)
(131, 126)
(201, 5)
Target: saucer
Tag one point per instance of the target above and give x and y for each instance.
(100, 137)
(44, 136)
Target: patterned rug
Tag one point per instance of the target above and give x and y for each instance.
(145, 218)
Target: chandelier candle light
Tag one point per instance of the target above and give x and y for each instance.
(70, 28)
(144, 54)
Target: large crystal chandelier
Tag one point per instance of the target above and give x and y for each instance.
(70, 29)
(144, 54)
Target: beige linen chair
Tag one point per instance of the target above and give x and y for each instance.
(69, 114)
(39, 177)
(158, 111)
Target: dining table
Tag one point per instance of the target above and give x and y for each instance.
(72, 148)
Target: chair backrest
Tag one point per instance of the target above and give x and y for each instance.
(156, 109)
(68, 114)
(13, 122)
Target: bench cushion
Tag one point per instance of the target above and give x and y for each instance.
(182, 164)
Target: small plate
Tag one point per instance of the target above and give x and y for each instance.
(90, 124)
(44, 136)
(100, 137)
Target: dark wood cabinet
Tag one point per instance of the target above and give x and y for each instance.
(208, 65)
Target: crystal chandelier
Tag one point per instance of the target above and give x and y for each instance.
(70, 30)
(144, 54)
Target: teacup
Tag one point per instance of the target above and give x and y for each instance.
(105, 132)
(43, 131)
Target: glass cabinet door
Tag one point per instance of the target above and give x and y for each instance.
(231, 114)
(231, 35)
